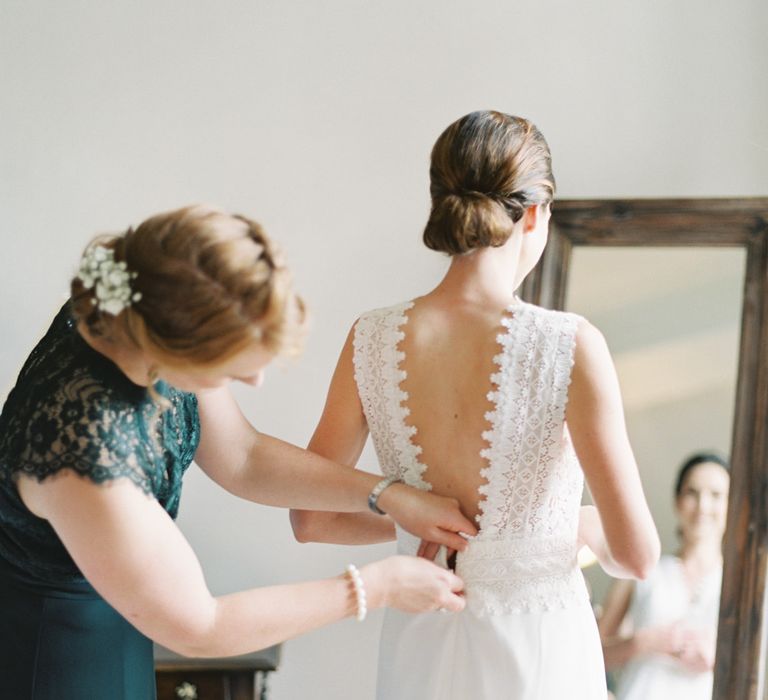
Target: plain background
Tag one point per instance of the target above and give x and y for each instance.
(317, 118)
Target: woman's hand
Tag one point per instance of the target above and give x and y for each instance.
(433, 518)
(693, 648)
(412, 585)
(660, 639)
(429, 550)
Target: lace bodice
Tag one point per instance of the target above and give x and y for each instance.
(72, 408)
(524, 556)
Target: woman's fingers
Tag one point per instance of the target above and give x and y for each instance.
(453, 603)
(461, 523)
(428, 550)
(452, 540)
(429, 516)
(454, 582)
(416, 585)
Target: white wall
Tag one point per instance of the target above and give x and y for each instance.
(317, 119)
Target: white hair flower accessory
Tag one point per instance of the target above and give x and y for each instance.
(110, 280)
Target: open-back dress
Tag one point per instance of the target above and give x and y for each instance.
(528, 631)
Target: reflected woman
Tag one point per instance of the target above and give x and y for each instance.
(670, 650)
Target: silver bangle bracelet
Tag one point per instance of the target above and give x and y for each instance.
(373, 496)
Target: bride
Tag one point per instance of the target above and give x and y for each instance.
(471, 393)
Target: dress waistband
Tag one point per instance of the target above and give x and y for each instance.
(515, 575)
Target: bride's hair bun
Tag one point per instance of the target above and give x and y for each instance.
(465, 221)
(486, 169)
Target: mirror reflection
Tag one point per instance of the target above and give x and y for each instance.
(671, 317)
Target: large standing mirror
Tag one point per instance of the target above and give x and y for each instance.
(680, 289)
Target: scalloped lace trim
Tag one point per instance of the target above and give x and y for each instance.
(531, 482)
(416, 468)
(494, 417)
(524, 557)
(378, 373)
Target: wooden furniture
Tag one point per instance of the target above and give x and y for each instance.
(236, 678)
(740, 661)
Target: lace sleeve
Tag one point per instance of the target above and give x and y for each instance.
(81, 426)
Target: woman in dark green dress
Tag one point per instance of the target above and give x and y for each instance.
(127, 387)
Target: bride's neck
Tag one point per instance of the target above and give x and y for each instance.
(487, 277)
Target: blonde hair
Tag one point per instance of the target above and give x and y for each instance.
(486, 169)
(209, 282)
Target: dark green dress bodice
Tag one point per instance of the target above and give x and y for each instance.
(72, 408)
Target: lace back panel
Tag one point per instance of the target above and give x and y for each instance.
(524, 557)
(532, 477)
(377, 360)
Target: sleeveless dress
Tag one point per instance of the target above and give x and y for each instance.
(528, 631)
(72, 408)
(664, 598)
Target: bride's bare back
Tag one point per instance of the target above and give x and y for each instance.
(448, 360)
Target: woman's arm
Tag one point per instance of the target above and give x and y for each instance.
(266, 470)
(595, 419)
(592, 534)
(617, 650)
(340, 436)
(130, 550)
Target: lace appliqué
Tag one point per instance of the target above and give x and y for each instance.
(73, 409)
(521, 575)
(533, 481)
(378, 374)
(524, 557)
(68, 413)
(77, 429)
(513, 575)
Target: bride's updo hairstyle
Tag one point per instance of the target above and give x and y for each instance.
(486, 169)
(204, 284)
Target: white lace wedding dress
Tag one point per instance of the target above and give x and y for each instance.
(664, 598)
(528, 632)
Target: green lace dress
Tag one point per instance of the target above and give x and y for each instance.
(72, 408)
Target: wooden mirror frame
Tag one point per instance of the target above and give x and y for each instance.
(740, 223)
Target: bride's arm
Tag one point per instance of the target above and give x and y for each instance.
(592, 534)
(340, 436)
(595, 417)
